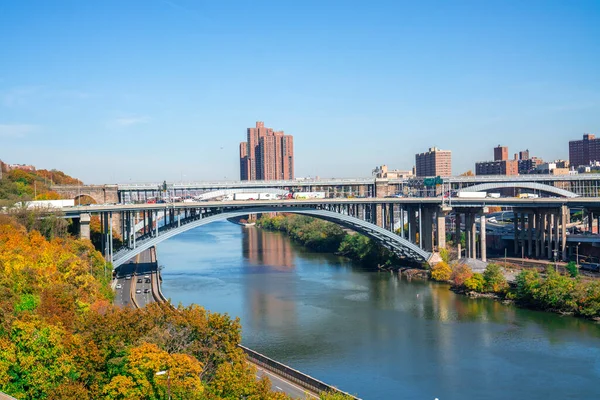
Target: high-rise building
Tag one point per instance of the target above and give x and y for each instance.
(524, 155)
(267, 155)
(244, 162)
(435, 162)
(500, 153)
(584, 152)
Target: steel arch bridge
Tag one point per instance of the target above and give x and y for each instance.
(400, 246)
(523, 185)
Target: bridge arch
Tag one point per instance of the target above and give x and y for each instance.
(390, 240)
(523, 185)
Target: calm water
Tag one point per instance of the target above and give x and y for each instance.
(373, 334)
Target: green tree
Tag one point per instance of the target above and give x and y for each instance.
(571, 268)
(475, 283)
(494, 279)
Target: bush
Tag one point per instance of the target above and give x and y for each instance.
(475, 283)
(460, 273)
(441, 272)
(587, 298)
(445, 255)
(572, 269)
(528, 285)
(494, 279)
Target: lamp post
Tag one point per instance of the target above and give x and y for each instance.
(577, 254)
(555, 251)
(168, 381)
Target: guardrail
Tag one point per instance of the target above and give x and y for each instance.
(282, 370)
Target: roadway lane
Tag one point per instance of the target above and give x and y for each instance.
(135, 275)
(281, 385)
(123, 285)
(143, 283)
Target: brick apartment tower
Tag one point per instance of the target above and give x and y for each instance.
(435, 162)
(583, 152)
(267, 155)
(500, 153)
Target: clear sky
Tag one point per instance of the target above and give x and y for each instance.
(146, 90)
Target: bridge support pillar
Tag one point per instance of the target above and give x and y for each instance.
(516, 228)
(530, 234)
(483, 240)
(473, 236)
(440, 229)
(522, 234)
(379, 221)
(565, 216)
(457, 235)
(427, 228)
(549, 233)
(556, 236)
(543, 228)
(84, 226)
(412, 225)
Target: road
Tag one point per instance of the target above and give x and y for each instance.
(281, 385)
(133, 278)
(146, 266)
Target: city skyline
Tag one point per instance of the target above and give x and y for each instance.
(116, 84)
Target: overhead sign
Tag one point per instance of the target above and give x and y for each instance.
(433, 181)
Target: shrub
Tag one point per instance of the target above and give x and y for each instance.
(460, 273)
(572, 269)
(475, 283)
(587, 298)
(445, 255)
(556, 292)
(528, 286)
(494, 279)
(441, 272)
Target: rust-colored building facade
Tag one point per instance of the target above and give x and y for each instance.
(435, 162)
(266, 155)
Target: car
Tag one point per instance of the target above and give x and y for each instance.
(139, 280)
(146, 290)
(147, 281)
(147, 276)
(128, 277)
(119, 286)
(138, 291)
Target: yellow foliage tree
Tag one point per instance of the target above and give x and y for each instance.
(441, 272)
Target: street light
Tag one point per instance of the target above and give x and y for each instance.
(577, 254)
(555, 251)
(168, 381)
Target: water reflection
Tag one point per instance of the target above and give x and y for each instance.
(373, 332)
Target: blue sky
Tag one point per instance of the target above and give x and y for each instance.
(146, 90)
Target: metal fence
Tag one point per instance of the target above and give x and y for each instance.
(292, 375)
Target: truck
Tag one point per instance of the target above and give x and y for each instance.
(527, 196)
(245, 196)
(471, 195)
(309, 195)
(267, 196)
(50, 203)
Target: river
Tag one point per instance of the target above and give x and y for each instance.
(373, 334)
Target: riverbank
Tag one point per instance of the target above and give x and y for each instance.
(326, 237)
(549, 291)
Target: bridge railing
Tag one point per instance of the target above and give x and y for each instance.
(282, 370)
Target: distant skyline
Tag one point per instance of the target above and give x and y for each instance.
(150, 90)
